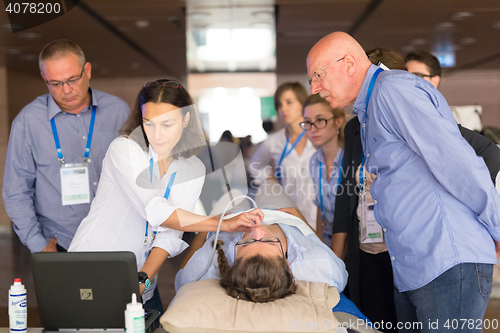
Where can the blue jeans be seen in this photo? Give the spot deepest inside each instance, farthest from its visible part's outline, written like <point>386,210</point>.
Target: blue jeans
<point>455,301</point>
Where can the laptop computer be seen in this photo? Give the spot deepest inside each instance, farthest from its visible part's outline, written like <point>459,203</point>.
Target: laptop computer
<point>85,290</point>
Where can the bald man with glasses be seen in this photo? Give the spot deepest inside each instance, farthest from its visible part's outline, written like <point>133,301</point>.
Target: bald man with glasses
<point>56,147</point>
<point>433,197</point>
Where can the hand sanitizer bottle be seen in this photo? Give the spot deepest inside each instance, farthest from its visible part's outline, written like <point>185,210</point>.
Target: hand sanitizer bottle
<point>134,317</point>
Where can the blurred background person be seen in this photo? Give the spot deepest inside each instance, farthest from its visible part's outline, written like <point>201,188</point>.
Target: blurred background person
<point>285,154</point>
<point>426,66</point>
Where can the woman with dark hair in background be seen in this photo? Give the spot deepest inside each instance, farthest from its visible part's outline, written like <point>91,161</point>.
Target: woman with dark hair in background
<point>150,182</point>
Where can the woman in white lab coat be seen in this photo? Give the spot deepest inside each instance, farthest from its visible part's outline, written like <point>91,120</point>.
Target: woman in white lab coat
<point>150,182</point>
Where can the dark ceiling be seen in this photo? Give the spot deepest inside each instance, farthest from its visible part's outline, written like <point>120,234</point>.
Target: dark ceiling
<point>107,31</point>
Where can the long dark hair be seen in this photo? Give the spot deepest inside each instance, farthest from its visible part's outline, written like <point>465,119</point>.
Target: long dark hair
<point>256,279</point>
<point>171,92</point>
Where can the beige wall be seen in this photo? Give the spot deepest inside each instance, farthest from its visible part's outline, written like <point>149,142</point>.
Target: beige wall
<point>22,88</point>
<point>475,87</point>
<point>4,138</point>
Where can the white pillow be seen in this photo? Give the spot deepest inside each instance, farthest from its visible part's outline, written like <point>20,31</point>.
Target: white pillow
<point>204,306</point>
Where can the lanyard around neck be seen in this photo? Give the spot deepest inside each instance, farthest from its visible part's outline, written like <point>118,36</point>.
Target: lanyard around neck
<point>167,191</point>
<point>285,153</point>
<point>170,181</point>
<point>363,127</point>
<point>60,156</point>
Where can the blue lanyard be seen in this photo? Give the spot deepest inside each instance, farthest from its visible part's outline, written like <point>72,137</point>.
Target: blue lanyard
<point>361,178</point>
<point>170,181</point>
<point>60,156</point>
<point>363,128</point>
<point>167,191</point>
<point>321,187</point>
<point>150,170</point>
<point>368,95</point>
<point>285,153</point>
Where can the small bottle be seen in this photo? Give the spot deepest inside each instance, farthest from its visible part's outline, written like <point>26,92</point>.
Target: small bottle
<point>134,317</point>
<point>18,311</point>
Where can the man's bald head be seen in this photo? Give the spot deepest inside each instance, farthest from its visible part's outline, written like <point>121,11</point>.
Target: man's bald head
<point>336,44</point>
<point>337,66</point>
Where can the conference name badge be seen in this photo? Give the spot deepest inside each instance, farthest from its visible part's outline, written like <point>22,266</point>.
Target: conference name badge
<point>371,231</point>
<point>75,184</point>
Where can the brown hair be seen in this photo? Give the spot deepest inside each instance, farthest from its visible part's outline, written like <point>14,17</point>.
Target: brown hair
<point>388,57</point>
<point>297,88</point>
<point>60,48</point>
<point>337,113</point>
<point>157,92</point>
<point>256,279</point>
<point>427,59</point>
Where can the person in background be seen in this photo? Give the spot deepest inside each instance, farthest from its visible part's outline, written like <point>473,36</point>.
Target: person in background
<point>285,154</point>
<point>268,126</point>
<point>426,65</point>
<point>150,183</point>
<point>56,147</point>
<point>430,200</point>
<point>324,127</point>
<point>227,136</point>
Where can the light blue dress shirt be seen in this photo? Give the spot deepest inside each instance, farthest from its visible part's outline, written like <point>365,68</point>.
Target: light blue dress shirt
<point>433,196</point>
<point>329,188</point>
<point>32,183</point>
<point>309,259</point>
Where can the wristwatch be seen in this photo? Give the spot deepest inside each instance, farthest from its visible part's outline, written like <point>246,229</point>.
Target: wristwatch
<point>143,278</point>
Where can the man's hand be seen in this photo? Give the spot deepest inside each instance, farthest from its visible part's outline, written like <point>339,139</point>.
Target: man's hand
<point>52,246</point>
<point>497,248</point>
<point>142,288</point>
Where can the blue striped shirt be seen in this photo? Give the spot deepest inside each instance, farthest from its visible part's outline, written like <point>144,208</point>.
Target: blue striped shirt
<point>433,196</point>
<point>32,184</point>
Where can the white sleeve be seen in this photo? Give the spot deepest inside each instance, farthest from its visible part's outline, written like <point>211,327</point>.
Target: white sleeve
<point>125,160</point>
<point>185,194</point>
<point>260,167</point>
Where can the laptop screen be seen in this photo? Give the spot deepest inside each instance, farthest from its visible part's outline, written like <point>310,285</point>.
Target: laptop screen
<point>84,290</point>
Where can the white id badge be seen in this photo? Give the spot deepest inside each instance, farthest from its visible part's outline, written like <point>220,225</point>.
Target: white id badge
<point>75,184</point>
<point>371,231</point>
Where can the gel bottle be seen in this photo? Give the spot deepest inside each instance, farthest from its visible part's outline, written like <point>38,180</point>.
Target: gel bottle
<point>18,311</point>
<point>134,317</point>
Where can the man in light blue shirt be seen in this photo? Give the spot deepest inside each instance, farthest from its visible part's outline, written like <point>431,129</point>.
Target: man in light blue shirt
<point>82,122</point>
<point>433,196</point>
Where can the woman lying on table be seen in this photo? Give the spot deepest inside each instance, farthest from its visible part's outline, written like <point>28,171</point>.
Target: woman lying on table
<point>262,264</point>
